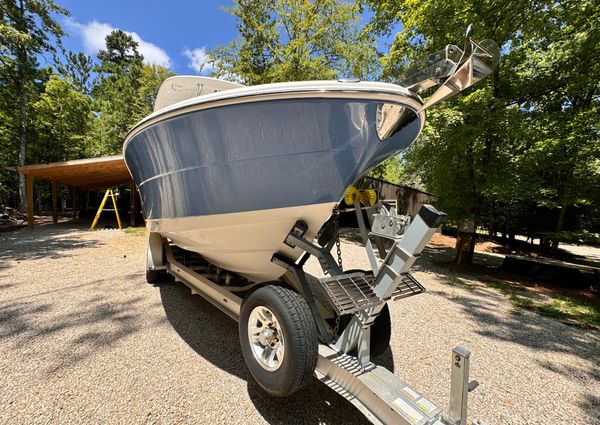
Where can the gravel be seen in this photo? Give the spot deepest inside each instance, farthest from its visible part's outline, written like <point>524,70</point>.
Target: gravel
<point>83,338</point>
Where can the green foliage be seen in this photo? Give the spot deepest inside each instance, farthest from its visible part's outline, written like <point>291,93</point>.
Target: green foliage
<point>123,93</point>
<point>27,30</point>
<point>389,170</point>
<point>520,150</point>
<point>77,69</point>
<point>63,116</point>
<point>121,53</point>
<point>294,40</point>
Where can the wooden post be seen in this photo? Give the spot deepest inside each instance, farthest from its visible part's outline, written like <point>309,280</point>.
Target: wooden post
<point>133,210</point>
<point>30,201</point>
<point>74,200</point>
<point>54,203</point>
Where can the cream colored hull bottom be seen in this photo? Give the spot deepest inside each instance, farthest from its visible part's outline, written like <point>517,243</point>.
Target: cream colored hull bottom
<point>244,242</point>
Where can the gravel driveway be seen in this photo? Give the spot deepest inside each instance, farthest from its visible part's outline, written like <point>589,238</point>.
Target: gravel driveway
<point>83,339</point>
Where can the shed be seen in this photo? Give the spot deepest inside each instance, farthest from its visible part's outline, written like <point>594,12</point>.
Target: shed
<point>80,174</point>
<point>408,199</point>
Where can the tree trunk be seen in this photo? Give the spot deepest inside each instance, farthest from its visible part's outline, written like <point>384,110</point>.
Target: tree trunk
<point>22,140</point>
<point>559,226</point>
<point>21,94</point>
<point>492,221</point>
<point>465,242</point>
<point>564,202</point>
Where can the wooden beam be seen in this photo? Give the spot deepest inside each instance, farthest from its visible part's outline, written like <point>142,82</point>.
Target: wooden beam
<point>30,202</point>
<point>91,172</point>
<point>54,202</point>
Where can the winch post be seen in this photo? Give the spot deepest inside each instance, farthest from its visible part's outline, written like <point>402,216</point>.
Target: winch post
<point>365,237</point>
<point>399,260</point>
<point>404,253</point>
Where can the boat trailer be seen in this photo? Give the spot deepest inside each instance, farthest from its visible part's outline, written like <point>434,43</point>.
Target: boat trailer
<point>344,361</point>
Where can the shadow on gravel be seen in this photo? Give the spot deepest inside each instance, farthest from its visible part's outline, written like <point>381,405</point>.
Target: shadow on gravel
<point>65,334</point>
<point>487,307</point>
<point>45,241</point>
<point>214,336</point>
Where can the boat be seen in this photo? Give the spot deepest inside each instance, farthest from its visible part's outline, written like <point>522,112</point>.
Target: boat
<point>226,170</point>
<point>235,183</point>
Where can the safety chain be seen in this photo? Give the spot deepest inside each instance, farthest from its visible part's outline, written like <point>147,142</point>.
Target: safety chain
<point>336,226</point>
<point>336,328</point>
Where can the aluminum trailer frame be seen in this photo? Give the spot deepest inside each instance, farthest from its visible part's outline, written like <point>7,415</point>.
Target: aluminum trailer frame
<point>379,394</point>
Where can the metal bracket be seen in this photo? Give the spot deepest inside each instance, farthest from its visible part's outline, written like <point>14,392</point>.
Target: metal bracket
<point>459,386</point>
<point>323,254</point>
<point>299,274</point>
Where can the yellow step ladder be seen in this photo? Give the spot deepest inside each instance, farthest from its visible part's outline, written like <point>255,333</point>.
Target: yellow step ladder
<point>109,192</point>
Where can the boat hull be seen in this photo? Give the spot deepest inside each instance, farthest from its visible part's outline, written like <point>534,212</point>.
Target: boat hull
<point>229,181</point>
<point>243,242</point>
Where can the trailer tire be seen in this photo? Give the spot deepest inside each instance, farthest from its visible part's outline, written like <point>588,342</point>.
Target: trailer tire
<point>381,332</point>
<point>277,319</point>
<point>153,276</point>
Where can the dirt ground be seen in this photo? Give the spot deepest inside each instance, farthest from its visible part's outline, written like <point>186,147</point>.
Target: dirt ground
<point>83,339</point>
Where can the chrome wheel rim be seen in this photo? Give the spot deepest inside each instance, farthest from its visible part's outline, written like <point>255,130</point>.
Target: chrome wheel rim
<point>266,338</point>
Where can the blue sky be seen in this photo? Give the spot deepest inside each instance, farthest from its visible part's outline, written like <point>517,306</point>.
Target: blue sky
<point>176,34</point>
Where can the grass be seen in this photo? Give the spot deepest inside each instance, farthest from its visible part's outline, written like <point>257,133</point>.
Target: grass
<point>560,308</point>
<point>135,231</point>
<point>456,281</point>
<point>556,306</point>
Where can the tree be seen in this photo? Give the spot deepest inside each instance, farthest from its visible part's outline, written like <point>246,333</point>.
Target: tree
<point>63,116</point>
<point>120,54</point>
<point>564,81</point>
<point>478,151</point>
<point>8,149</point>
<point>390,170</point>
<point>77,69</point>
<point>27,28</point>
<point>293,40</point>
<point>123,93</point>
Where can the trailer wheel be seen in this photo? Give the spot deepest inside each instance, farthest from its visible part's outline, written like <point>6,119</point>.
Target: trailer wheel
<point>153,276</point>
<point>278,337</point>
<point>154,257</point>
<point>381,332</point>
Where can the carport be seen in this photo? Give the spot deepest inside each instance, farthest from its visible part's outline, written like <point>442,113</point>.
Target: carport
<point>79,175</point>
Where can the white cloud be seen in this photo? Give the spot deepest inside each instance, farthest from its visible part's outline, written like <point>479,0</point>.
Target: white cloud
<point>93,35</point>
<point>199,60</point>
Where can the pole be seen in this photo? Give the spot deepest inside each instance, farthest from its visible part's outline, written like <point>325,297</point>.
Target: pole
<point>74,200</point>
<point>54,203</point>
<point>29,191</point>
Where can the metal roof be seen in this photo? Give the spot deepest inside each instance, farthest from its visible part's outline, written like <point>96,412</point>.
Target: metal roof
<point>90,173</point>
